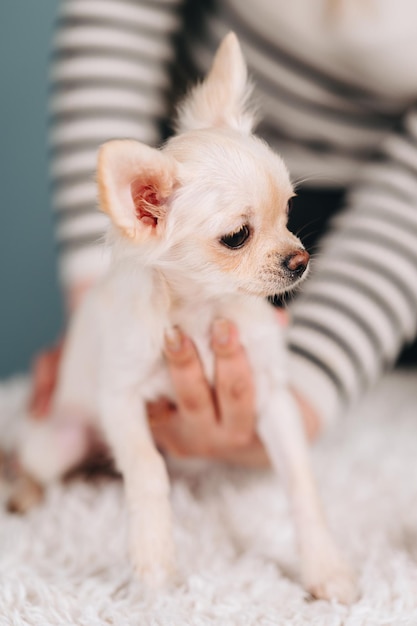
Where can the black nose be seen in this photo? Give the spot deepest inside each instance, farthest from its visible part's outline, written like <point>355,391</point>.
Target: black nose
<point>297,262</point>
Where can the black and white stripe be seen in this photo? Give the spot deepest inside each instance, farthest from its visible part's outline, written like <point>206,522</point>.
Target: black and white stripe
<point>109,79</point>
<point>364,291</point>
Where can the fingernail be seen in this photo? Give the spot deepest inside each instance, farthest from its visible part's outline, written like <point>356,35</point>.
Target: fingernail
<point>173,339</point>
<point>221,331</point>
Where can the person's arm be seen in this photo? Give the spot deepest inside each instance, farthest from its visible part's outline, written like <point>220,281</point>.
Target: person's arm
<point>359,307</point>
<point>109,78</point>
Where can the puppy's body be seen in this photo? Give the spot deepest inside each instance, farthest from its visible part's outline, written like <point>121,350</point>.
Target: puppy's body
<point>138,352</point>
<point>199,233</point>
<point>145,312</point>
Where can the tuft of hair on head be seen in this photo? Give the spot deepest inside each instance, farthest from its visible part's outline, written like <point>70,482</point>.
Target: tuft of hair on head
<point>222,98</point>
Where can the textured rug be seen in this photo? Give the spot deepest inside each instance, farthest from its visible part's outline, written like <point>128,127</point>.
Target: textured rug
<point>65,562</point>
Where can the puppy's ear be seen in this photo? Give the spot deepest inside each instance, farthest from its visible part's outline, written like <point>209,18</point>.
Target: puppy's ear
<point>221,99</point>
<point>135,183</point>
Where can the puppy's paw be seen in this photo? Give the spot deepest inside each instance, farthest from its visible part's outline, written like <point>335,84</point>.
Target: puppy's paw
<point>25,493</point>
<point>152,551</point>
<point>327,576</point>
<point>19,491</point>
<point>153,561</point>
<point>336,584</point>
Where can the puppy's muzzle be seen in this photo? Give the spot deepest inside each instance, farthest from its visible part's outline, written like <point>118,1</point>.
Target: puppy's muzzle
<point>296,263</point>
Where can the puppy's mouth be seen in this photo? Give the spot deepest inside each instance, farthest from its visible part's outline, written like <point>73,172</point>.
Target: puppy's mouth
<point>272,289</point>
<point>276,282</point>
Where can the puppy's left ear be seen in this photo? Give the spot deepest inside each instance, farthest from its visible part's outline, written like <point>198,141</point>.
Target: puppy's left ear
<point>222,98</point>
<point>135,184</point>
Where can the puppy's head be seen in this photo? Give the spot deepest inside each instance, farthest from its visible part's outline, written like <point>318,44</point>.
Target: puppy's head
<point>212,205</point>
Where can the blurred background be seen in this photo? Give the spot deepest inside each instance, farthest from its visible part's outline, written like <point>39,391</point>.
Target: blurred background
<point>30,303</point>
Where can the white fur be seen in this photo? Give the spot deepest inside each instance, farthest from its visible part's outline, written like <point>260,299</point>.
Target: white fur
<point>169,268</point>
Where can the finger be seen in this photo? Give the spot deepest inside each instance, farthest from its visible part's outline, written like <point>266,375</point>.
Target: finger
<point>41,385</point>
<point>193,393</point>
<point>234,384</point>
<point>282,316</point>
<point>253,455</point>
<point>161,416</point>
<point>167,429</point>
<point>194,397</point>
<point>41,404</point>
<point>42,368</point>
<point>160,411</point>
<point>44,377</point>
<point>169,437</point>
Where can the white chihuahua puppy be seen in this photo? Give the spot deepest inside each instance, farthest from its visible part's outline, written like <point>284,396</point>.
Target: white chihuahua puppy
<point>198,233</point>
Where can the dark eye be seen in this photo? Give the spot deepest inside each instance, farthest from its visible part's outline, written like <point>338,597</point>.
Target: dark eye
<point>289,205</point>
<point>237,239</point>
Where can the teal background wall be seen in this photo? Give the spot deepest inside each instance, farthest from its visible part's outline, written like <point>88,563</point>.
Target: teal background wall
<point>30,303</point>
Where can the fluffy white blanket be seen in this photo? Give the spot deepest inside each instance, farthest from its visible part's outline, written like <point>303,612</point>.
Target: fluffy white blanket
<point>65,562</point>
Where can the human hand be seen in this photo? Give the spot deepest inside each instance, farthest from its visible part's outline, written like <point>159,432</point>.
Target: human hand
<point>220,422</point>
<point>217,423</point>
<point>44,377</point>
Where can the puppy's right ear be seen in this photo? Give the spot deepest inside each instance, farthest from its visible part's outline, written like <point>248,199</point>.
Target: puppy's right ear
<point>135,183</point>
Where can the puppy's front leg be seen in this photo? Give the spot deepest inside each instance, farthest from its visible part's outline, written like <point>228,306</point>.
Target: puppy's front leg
<point>324,571</point>
<point>146,485</point>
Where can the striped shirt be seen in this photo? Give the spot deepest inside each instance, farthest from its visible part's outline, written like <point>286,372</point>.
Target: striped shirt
<point>337,85</point>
